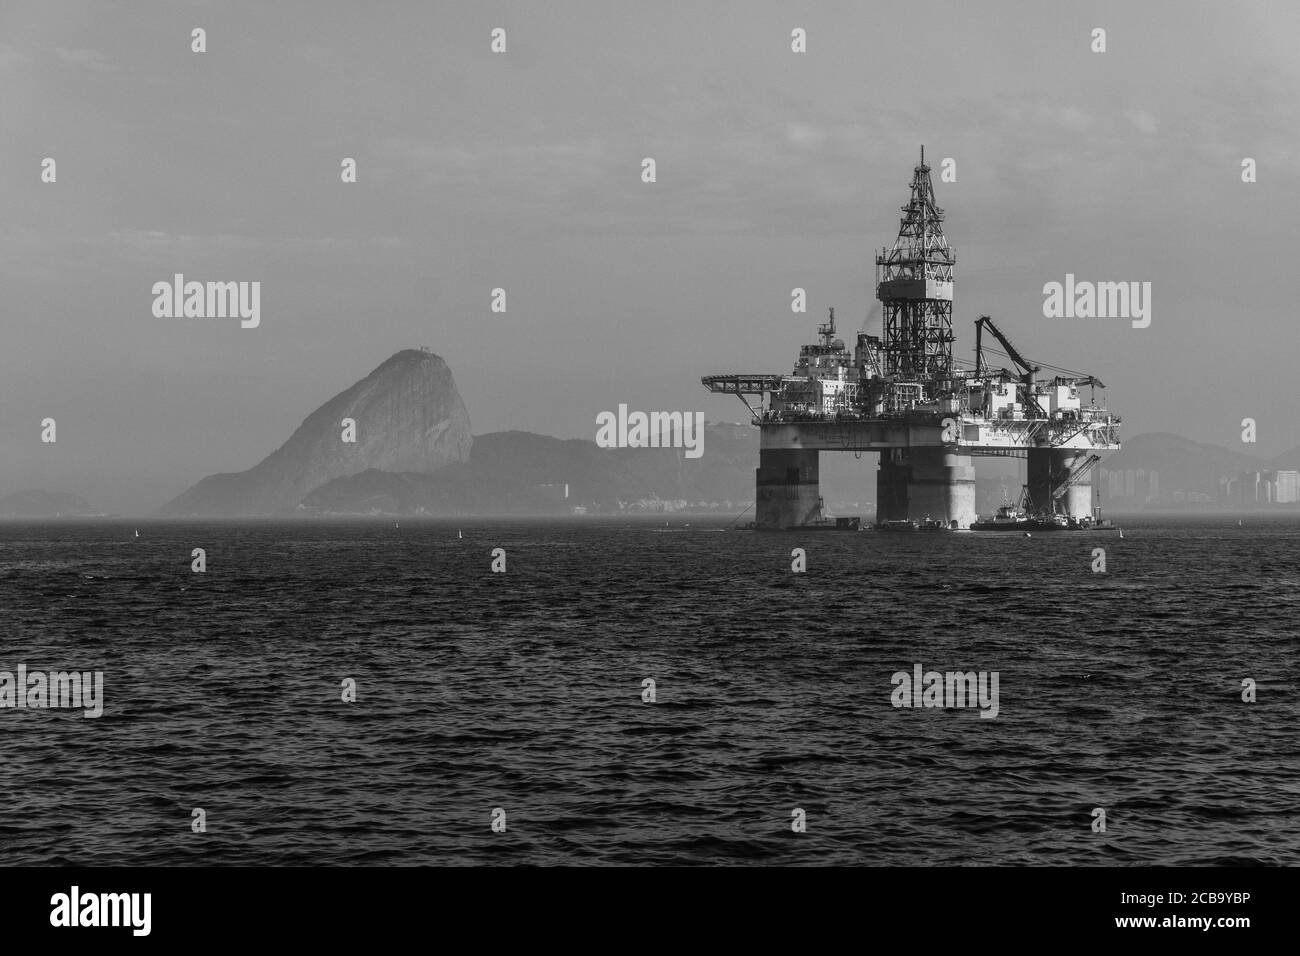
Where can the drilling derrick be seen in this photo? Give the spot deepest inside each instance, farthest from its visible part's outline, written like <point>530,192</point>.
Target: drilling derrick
<point>901,394</point>
<point>914,286</point>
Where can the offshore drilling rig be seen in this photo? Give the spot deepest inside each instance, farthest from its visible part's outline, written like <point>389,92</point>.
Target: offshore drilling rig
<point>901,394</point>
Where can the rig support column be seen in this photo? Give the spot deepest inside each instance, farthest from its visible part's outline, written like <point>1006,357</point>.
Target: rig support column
<point>915,483</point>
<point>1048,467</point>
<point>891,485</point>
<point>787,492</point>
<point>942,486</point>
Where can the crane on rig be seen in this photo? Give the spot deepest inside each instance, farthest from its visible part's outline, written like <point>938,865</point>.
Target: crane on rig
<point>1027,371</point>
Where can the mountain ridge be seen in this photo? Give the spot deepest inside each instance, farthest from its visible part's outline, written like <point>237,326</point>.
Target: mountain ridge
<point>408,416</point>
<point>414,453</point>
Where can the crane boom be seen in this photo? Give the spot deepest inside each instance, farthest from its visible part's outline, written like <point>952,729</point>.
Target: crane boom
<point>1012,353</point>
<point>1027,371</point>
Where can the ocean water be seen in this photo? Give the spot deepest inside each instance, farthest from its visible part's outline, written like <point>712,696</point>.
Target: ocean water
<point>523,691</point>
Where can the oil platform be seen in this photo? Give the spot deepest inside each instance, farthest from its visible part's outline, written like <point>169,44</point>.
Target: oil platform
<point>901,394</point>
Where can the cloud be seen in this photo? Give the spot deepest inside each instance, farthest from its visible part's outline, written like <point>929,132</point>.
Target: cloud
<point>1142,120</point>
<point>10,57</point>
<point>1073,118</point>
<point>151,240</point>
<point>85,59</point>
<point>803,135</point>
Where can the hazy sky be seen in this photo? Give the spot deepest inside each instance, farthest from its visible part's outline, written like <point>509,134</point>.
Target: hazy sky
<point>522,171</point>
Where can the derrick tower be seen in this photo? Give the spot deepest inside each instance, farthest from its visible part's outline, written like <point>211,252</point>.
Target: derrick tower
<point>914,286</point>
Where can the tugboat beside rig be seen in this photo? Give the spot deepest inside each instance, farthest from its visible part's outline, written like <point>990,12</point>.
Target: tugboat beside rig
<point>1012,518</point>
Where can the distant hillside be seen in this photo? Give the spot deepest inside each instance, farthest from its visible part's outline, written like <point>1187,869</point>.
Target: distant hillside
<point>1186,472</point>
<point>413,454</point>
<point>1287,461</point>
<point>518,472</point>
<point>37,503</point>
<point>408,415</point>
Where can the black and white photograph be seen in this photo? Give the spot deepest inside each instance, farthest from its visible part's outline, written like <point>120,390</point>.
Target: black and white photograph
<point>445,440</point>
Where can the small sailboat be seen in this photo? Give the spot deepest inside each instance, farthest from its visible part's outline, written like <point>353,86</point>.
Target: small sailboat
<point>137,532</point>
<point>459,536</point>
<point>1121,534</point>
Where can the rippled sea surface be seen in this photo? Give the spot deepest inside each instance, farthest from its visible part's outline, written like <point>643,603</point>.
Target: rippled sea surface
<point>523,691</point>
